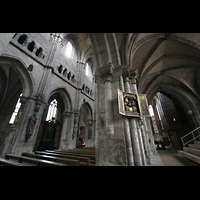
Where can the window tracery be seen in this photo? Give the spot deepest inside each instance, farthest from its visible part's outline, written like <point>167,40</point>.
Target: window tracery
<point>52,111</point>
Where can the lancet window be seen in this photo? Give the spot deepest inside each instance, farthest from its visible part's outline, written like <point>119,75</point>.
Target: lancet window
<point>52,112</point>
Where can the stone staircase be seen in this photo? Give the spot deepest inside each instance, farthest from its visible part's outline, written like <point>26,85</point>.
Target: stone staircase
<point>192,152</point>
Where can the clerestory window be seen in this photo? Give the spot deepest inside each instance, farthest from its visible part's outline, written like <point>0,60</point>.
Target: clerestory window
<point>69,49</point>
<point>52,111</point>
<point>88,70</point>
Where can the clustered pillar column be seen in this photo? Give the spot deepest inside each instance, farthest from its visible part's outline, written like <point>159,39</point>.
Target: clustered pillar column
<point>107,74</point>
<point>129,149</point>
<point>139,121</point>
<point>133,126</point>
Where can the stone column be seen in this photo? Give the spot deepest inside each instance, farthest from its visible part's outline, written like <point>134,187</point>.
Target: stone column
<point>107,74</point>
<point>89,133</point>
<point>69,139</point>
<point>141,145</point>
<point>135,142</point>
<point>146,132</point>
<point>144,140</point>
<point>141,132</point>
<point>75,126</point>
<point>63,136</point>
<point>10,140</point>
<point>133,125</point>
<point>18,142</point>
<point>129,149</point>
<point>150,136</point>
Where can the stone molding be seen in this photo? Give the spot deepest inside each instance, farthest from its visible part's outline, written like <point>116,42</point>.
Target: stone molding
<point>106,72</point>
<point>133,75</point>
<point>126,71</point>
<point>66,114</point>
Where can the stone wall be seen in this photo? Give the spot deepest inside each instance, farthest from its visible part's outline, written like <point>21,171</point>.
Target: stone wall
<point>39,74</point>
<point>44,72</point>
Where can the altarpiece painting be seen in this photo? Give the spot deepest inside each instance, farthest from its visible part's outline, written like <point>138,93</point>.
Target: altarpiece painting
<point>134,105</point>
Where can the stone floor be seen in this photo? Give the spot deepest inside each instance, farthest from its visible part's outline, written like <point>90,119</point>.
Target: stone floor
<point>155,160</point>
<point>170,157</point>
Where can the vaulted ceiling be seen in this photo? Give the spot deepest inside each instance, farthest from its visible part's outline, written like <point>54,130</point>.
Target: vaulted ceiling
<point>84,47</point>
<point>162,59</point>
<point>167,59</point>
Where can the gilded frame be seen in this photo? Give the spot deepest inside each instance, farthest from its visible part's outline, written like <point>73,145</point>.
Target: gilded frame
<point>121,102</point>
<point>143,105</point>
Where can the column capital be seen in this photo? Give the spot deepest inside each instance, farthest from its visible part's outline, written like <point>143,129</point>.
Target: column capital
<point>23,100</point>
<point>125,71</point>
<point>40,98</point>
<point>76,115</point>
<point>66,114</point>
<point>134,75</point>
<point>106,72</point>
<point>80,64</point>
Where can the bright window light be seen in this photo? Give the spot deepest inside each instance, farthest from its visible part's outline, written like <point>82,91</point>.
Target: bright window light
<point>69,49</point>
<point>88,70</point>
<point>53,107</point>
<point>17,107</point>
<point>151,110</point>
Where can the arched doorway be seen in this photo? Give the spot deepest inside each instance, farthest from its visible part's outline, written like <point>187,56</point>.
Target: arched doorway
<point>51,125</point>
<point>84,133</point>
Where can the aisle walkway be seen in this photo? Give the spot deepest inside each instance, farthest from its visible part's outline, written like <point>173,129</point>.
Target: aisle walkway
<point>170,157</point>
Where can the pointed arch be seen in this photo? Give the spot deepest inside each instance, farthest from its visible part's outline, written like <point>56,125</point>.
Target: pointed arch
<point>190,102</point>
<point>88,108</point>
<point>65,97</point>
<point>18,80</point>
<point>20,68</point>
<point>69,37</point>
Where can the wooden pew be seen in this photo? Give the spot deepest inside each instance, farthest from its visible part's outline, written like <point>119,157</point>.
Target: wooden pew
<point>81,150</point>
<point>83,160</point>
<point>4,162</point>
<point>70,151</point>
<point>75,151</point>
<point>37,162</point>
<point>68,162</point>
<point>92,157</point>
<point>90,151</point>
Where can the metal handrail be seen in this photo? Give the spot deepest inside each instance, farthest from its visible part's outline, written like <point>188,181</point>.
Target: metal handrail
<point>194,138</point>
